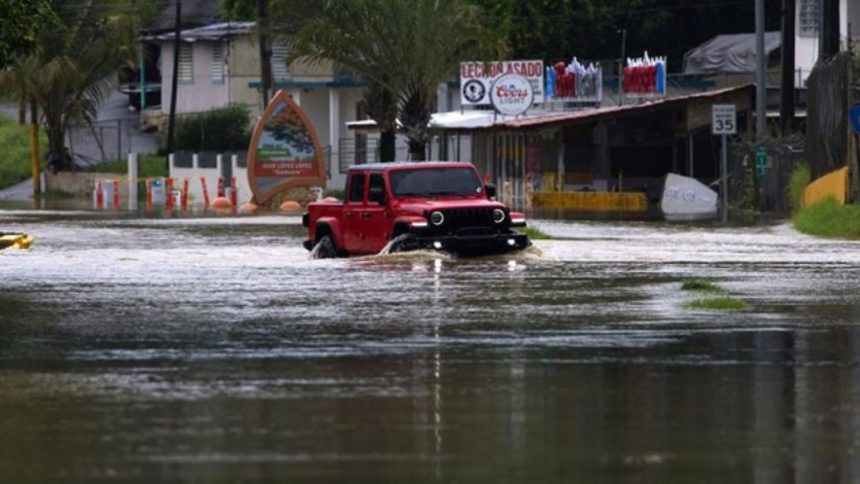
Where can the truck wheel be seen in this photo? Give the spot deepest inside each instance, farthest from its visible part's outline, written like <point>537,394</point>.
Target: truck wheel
<point>324,249</point>
<point>402,243</point>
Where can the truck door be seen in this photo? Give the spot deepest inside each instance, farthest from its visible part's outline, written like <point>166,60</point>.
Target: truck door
<point>374,220</point>
<point>352,213</point>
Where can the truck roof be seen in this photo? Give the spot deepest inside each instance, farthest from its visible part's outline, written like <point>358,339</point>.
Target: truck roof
<point>408,164</point>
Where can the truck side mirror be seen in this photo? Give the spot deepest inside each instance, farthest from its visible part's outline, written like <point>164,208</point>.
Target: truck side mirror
<point>490,189</point>
<point>377,194</point>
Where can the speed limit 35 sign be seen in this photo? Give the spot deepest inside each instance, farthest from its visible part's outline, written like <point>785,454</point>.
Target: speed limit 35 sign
<point>723,119</point>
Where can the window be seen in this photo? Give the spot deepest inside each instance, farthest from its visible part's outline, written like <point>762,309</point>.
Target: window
<point>377,183</point>
<point>808,17</point>
<point>186,63</point>
<point>279,62</point>
<point>356,187</point>
<point>442,181</point>
<point>217,66</point>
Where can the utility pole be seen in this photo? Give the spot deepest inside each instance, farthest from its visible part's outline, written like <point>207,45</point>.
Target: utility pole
<point>265,50</point>
<point>761,79</point>
<point>621,66</point>
<point>171,121</point>
<point>786,91</point>
<point>828,43</point>
<point>34,146</point>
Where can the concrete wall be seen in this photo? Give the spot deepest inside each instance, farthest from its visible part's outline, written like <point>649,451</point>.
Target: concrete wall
<point>80,184</point>
<point>193,174</point>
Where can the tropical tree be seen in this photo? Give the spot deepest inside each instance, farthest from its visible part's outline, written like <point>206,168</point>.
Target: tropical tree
<point>406,47</point>
<point>20,23</point>
<point>72,65</point>
<point>381,106</point>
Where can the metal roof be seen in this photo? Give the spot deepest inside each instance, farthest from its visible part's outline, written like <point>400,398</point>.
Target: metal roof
<point>591,114</point>
<point>216,31</point>
<point>474,120</point>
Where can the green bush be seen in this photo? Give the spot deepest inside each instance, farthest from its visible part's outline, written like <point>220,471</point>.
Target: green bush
<point>534,233</point>
<point>334,192</point>
<point>15,151</point>
<point>797,182</point>
<point>829,219</point>
<point>223,129</point>
<point>149,165</point>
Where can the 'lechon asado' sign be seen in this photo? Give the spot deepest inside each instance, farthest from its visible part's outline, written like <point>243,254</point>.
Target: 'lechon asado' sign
<point>476,79</point>
<point>285,151</point>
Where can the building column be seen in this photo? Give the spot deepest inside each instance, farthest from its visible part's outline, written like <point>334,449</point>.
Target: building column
<point>334,127</point>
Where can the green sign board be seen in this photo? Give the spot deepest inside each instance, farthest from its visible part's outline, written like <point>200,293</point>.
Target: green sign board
<point>760,161</point>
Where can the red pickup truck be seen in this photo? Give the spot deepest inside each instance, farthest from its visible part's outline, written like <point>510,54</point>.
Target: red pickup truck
<point>408,206</point>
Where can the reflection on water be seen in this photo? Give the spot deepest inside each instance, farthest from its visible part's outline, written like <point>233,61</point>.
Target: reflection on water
<point>217,351</point>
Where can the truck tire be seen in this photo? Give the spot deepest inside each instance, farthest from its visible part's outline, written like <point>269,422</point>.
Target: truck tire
<point>324,249</point>
<point>402,243</point>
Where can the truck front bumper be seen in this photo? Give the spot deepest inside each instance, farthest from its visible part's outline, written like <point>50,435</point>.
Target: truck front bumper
<point>475,244</point>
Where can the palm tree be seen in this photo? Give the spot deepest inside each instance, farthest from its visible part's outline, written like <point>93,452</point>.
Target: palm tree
<point>70,70</point>
<point>381,106</point>
<point>405,46</point>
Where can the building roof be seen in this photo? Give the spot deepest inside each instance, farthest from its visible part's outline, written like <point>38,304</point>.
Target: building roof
<point>483,119</point>
<point>595,114</point>
<point>198,12</point>
<point>734,53</point>
<point>211,32</point>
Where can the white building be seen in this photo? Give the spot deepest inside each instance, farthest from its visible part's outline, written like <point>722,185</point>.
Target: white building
<point>219,65</point>
<point>807,23</point>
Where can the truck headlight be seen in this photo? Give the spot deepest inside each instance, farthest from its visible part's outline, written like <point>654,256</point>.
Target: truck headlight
<point>437,218</point>
<point>498,215</point>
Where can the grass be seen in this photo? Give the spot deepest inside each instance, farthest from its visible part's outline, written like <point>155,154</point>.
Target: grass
<point>148,165</point>
<point>534,233</point>
<point>700,285</point>
<point>797,182</point>
<point>719,301</point>
<point>333,192</point>
<point>829,219</point>
<point>722,303</point>
<point>15,164</point>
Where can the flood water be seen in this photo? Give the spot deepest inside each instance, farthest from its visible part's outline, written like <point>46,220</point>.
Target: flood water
<point>215,350</point>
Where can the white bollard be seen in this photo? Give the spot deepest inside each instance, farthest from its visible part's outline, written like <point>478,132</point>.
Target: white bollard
<point>133,172</point>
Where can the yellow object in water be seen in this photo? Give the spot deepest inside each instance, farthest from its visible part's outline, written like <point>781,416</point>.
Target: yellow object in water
<point>15,241</point>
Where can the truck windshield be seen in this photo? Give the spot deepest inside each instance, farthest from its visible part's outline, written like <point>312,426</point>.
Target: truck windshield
<point>436,181</point>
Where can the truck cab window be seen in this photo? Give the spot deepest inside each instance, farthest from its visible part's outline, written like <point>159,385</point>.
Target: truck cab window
<point>376,191</point>
<point>356,187</point>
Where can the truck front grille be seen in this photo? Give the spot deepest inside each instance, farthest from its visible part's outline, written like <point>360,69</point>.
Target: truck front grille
<point>471,218</point>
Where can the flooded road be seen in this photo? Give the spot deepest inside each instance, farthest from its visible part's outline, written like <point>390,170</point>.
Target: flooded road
<point>214,350</point>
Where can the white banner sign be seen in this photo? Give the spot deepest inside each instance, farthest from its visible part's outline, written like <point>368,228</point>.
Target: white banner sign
<point>476,79</point>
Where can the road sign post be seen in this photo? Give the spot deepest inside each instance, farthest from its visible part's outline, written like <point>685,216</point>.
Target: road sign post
<point>724,123</point>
